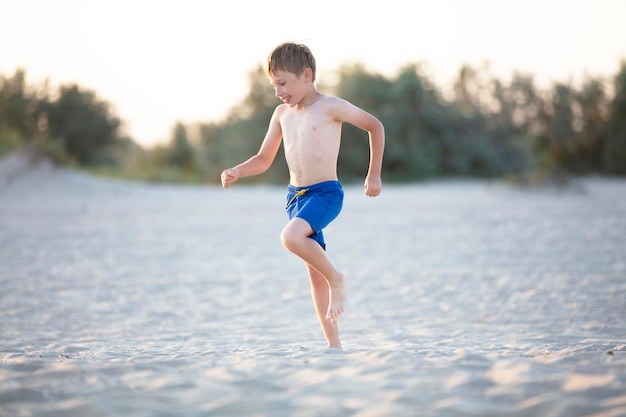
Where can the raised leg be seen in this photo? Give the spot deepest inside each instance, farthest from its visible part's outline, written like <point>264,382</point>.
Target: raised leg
<point>295,238</point>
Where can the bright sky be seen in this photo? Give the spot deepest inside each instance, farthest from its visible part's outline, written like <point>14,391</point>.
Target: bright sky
<point>162,61</point>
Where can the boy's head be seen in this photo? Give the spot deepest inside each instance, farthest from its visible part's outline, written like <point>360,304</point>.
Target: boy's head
<point>290,57</point>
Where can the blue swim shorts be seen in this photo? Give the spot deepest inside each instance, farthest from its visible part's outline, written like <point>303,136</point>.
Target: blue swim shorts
<point>318,204</point>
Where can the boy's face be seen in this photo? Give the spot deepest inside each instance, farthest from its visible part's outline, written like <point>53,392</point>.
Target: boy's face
<point>289,87</point>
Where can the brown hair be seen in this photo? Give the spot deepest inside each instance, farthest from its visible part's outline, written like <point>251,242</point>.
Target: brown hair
<point>291,57</point>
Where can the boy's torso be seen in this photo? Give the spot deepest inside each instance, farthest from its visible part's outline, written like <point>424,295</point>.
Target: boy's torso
<point>311,140</point>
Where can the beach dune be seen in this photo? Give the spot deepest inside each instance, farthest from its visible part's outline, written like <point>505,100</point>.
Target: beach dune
<point>468,298</point>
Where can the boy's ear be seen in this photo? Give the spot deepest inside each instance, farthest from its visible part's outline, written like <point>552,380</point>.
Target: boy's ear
<point>308,74</point>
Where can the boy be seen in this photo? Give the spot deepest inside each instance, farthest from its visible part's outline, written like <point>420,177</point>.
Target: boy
<point>309,124</point>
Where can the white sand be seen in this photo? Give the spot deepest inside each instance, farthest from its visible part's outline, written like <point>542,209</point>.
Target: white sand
<point>467,299</point>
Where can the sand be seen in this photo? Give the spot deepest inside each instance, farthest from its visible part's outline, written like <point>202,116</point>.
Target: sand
<point>468,298</point>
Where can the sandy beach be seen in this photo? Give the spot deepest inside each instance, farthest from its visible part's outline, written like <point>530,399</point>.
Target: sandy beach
<point>467,298</point>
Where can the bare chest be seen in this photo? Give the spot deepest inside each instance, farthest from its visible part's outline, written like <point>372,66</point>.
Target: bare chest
<point>310,132</point>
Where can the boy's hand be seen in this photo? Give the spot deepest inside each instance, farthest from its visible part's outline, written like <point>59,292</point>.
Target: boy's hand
<point>229,176</point>
<point>373,186</point>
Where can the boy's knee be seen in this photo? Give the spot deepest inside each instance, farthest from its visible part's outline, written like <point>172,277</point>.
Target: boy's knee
<point>287,238</point>
<point>291,236</point>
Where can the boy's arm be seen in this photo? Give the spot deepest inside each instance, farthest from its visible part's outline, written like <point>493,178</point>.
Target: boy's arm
<point>260,162</point>
<point>347,112</point>
<point>373,182</point>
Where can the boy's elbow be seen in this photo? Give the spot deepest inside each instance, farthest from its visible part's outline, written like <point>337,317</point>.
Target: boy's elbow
<point>378,130</point>
<point>264,163</point>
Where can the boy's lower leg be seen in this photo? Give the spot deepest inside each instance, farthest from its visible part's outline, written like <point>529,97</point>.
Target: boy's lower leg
<point>321,298</point>
<point>295,238</point>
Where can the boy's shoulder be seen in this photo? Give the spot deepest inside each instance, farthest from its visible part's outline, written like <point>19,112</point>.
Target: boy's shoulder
<point>327,104</point>
<point>330,99</point>
<point>325,99</point>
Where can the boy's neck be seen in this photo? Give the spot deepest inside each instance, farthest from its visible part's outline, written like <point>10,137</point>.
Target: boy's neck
<point>310,99</point>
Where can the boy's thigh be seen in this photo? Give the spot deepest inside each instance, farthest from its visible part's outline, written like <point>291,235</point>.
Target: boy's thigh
<point>320,210</point>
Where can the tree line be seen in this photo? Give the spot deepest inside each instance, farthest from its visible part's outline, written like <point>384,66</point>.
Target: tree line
<point>480,127</point>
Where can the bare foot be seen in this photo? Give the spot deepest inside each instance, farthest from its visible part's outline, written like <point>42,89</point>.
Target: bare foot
<point>338,297</point>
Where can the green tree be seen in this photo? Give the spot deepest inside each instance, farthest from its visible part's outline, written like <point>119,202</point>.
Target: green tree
<point>82,124</point>
<point>181,153</point>
<point>614,152</point>
<point>22,117</point>
<point>561,137</point>
<point>592,121</point>
<point>515,119</point>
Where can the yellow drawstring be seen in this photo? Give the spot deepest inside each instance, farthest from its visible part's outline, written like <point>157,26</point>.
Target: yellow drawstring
<point>296,195</point>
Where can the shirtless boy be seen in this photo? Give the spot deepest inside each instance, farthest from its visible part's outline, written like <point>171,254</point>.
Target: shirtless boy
<point>309,125</point>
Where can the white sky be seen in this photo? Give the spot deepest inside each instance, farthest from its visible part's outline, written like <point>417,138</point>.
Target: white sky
<point>160,61</point>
